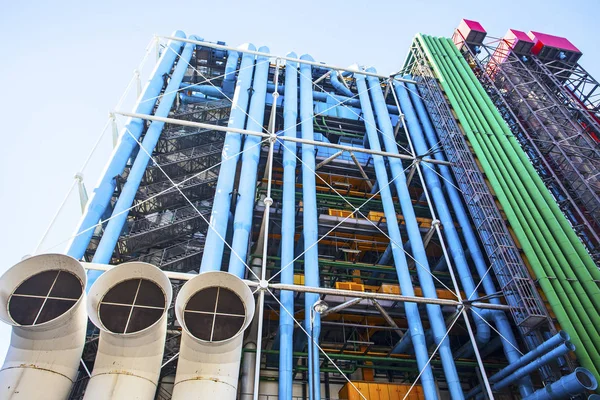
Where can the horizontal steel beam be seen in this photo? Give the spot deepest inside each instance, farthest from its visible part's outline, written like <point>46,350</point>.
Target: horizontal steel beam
<point>202,125</point>
<point>327,291</point>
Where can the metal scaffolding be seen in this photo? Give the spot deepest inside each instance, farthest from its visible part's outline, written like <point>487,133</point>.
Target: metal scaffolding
<point>539,103</point>
<point>169,221</point>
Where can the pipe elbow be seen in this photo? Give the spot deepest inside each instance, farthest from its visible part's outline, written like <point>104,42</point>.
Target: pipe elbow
<point>371,70</point>
<point>307,57</point>
<point>179,34</point>
<point>354,68</point>
<point>337,85</point>
<point>483,329</point>
<point>247,46</point>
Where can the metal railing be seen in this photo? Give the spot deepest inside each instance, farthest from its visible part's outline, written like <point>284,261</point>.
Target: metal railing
<point>174,253</point>
<point>527,308</point>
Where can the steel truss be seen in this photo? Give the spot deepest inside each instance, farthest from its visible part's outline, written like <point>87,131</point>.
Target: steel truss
<point>517,286</point>
<point>166,230</point>
<point>552,128</point>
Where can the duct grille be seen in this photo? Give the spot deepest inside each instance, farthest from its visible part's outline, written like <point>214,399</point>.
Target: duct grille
<point>214,314</point>
<point>131,306</point>
<point>44,297</point>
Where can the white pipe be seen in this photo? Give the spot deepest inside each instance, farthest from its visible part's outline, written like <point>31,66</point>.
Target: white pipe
<point>128,364</point>
<point>42,361</point>
<point>333,292</point>
<point>209,369</point>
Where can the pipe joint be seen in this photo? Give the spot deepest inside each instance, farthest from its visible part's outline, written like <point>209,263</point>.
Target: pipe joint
<point>263,284</point>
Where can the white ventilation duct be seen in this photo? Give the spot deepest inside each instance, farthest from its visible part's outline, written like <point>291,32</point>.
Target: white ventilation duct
<point>128,303</point>
<point>213,310</point>
<point>41,297</point>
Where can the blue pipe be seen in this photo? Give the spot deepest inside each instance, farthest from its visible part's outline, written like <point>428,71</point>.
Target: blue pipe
<point>412,312</point>
<point>500,319</point>
<point>527,358</point>
<point>386,256</point>
<point>436,318</point>
<point>187,99</point>
<point>437,195</point>
<point>562,350</point>
<point>207,90</point>
<point>230,68</point>
<point>455,199</point>
<point>244,209</point>
<point>310,225</point>
<point>337,85</point>
<point>211,91</point>
<point>404,344</point>
<point>288,230</point>
<point>114,227</point>
<point>570,385</point>
<point>105,188</point>
<point>441,265</point>
<point>375,188</point>
<point>211,260</point>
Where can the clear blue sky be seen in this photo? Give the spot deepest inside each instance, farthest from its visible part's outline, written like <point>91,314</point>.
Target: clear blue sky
<point>65,64</point>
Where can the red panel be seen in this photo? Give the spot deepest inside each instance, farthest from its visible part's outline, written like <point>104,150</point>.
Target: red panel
<point>557,42</point>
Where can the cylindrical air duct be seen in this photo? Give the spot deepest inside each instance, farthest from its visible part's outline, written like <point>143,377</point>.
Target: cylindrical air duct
<point>213,310</point>
<point>128,303</point>
<point>41,297</point>
<point>570,385</point>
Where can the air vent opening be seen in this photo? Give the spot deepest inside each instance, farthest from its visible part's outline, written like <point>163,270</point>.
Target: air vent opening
<point>131,306</point>
<point>214,314</point>
<point>44,297</point>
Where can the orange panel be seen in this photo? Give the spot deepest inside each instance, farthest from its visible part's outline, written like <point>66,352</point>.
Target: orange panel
<point>380,391</point>
<point>372,392</point>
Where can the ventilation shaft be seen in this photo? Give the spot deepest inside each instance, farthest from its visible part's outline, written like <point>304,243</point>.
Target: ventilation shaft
<point>41,297</point>
<point>213,310</point>
<point>128,304</point>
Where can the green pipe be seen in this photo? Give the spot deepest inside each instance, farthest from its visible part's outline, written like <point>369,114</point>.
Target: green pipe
<point>483,140</point>
<point>573,243</point>
<point>519,208</point>
<point>299,368</point>
<point>552,289</point>
<point>373,268</point>
<point>542,234</point>
<point>584,267</point>
<point>512,176</point>
<point>374,359</point>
